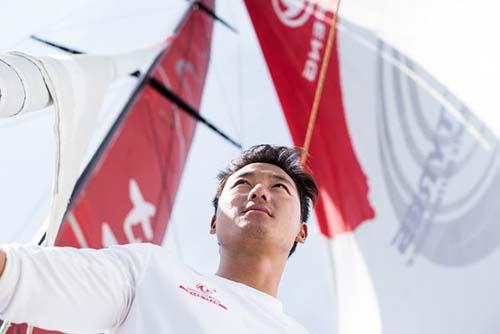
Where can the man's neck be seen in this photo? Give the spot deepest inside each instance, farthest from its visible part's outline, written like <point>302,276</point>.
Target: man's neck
<point>259,272</point>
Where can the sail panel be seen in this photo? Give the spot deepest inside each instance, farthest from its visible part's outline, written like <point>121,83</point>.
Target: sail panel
<point>293,40</point>
<point>434,183</point>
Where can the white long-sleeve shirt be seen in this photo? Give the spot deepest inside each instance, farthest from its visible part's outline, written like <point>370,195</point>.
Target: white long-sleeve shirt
<point>136,288</point>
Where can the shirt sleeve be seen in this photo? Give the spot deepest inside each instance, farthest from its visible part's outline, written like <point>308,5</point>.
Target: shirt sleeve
<point>69,289</point>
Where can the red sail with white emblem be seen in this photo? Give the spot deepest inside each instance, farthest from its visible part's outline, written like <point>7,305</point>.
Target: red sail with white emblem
<point>293,39</point>
<point>127,192</point>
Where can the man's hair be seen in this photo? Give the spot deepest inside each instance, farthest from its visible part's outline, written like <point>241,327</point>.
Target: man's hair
<point>286,158</point>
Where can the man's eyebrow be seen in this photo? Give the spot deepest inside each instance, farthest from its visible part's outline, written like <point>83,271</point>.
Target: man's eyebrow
<point>274,176</point>
<point>246,174</point>
<point>281,178</point>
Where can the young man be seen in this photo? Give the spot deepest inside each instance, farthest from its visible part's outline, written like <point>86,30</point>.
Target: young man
<point>261,206</point>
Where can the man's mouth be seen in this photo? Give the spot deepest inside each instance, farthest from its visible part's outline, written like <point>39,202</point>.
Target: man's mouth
<point>257,207</point>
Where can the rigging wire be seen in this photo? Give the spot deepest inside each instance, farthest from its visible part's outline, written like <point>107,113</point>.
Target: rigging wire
<point>211,13</point>
<point>61,25</point>
<point>319,88</point>
<point>312,122</point>
<point>159,87</point>
<point>57,46</point>
<point>225,97</point>
<point>239,78</point>
<point>214,67</point>
<point>50,25</point>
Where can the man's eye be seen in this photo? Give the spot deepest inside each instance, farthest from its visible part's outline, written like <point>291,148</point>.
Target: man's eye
<point>240,182</point>
<point>281,185</point>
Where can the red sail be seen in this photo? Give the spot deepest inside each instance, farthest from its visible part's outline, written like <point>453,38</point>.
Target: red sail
<point>130,188</point>
<point>293,38</point>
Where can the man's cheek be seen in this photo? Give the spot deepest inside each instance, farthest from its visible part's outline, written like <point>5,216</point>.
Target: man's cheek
<point>237,203</point>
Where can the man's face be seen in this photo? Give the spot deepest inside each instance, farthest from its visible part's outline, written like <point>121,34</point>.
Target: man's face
<point>259,211</point>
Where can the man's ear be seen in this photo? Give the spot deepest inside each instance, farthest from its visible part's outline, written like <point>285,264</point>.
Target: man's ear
<point>302,235</point>
<point>212,225</point>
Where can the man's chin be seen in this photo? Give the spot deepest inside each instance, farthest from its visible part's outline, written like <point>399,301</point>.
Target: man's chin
<point>255,228</point>
<point>252,222</point>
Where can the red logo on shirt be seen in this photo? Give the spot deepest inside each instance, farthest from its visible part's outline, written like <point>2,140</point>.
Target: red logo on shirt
<point>203,288</point>
<point>203,292</point>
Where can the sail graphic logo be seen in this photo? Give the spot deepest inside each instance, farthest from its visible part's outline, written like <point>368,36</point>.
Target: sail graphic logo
<point>293,13</point>
<point>140,214</point>
<point>441,167</point>
<point>316,46</point>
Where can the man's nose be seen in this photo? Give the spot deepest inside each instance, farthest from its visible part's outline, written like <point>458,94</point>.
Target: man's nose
<point>259,192</point>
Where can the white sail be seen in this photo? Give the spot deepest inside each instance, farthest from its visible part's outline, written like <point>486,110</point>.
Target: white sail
<point>426,132</point>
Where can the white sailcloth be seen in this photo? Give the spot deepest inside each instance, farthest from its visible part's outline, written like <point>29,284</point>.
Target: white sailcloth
<point>76,86</point>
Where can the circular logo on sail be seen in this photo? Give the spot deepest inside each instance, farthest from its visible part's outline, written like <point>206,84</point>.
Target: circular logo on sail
<point>293,13</point>
<point>441,167</point>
